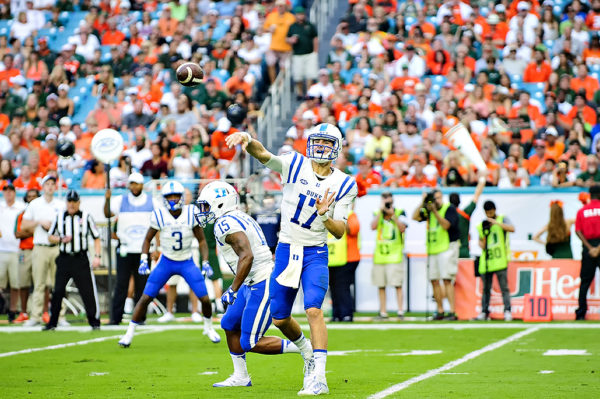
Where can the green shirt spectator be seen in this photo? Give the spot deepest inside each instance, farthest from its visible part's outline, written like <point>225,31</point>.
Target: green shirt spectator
<point>591,177</point>
<point>305,32</point>
<point>178,10</point>
<point>464,218</point>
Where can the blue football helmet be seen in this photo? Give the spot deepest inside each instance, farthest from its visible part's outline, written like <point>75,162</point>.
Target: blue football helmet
<point>172,188</point>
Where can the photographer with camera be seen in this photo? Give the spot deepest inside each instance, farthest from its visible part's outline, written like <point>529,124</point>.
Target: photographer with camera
<point>442,248</point>
<point>388,259</point>
<point>493,240</point>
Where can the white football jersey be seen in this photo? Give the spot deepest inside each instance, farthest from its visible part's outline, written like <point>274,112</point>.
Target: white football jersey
<point>300,223</point>
<point>176,234</point>
<point>233,222</point>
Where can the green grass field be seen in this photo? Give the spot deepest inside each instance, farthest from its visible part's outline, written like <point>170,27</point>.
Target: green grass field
<point>365,359</point>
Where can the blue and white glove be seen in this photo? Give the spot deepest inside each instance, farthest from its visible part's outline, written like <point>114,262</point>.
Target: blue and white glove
<point>229,297</point>
<point>206,269</point>
<point>144,268</point>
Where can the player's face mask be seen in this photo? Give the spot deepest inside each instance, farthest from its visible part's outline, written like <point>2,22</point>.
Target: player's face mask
<point>322,148</point>
<point>204,215</point>
<point>173,202</point>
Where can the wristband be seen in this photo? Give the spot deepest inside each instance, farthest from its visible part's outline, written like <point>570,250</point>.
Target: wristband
<point>144,257</point>
<point>324,217</point>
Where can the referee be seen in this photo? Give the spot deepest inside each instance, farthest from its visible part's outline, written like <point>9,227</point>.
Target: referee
<point>71,230</point>
<point>587,227</point>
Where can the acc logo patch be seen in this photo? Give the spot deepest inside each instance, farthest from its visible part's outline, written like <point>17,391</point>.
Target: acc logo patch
<point>303,182</point>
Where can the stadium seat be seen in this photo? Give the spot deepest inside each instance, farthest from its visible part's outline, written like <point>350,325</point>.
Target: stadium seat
<point>5,25</point>
<point>410,21</point>
<point>516,78</point>
<point>357,153</point>
<point>221,74</point>
<point>106,56</point>
<point>439,79</point>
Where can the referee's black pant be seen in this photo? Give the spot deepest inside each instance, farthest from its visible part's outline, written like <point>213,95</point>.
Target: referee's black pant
<point>341,278</point>
<point>78,268</point>
<point>588,270</point>
<point>127,266</point>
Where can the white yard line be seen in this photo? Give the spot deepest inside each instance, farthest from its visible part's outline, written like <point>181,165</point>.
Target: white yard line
<point>448,366</point>
<point>67,345</point>
<point>349,326</point>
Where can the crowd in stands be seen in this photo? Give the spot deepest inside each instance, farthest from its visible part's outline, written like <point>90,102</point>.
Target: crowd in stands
<point>522,76</point>
<point>71,68</point>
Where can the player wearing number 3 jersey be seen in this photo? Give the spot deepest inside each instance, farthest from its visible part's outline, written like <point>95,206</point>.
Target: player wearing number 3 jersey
<point>177,227</point>
<point>315,201</point>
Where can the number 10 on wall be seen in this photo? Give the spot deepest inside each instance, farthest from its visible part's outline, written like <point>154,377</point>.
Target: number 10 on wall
<point>537,308</point>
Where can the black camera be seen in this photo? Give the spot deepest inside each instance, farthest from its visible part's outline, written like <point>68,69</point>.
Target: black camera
<point>389,205</point>
<point>486,225</point>
<point>429,198</point>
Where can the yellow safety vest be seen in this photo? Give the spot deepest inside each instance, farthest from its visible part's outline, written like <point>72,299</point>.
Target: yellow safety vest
<point>438,239</point>
<point>497,254</point>
<point>338,249</point>
<point>389,241</point>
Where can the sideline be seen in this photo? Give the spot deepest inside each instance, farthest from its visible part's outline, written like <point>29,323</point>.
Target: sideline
<point>448,366</point>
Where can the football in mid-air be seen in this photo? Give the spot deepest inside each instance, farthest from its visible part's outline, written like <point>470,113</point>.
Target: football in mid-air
<point>190,74</point>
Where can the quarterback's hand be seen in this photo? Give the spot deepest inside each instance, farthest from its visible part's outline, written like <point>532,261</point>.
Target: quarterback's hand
<point>323,205</point>
<point>229,297</point>
<point>242,138</point>
<point>144,269</point>
<point>206,269</point>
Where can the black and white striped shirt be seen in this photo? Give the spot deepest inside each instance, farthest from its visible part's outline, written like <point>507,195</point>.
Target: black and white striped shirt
<point>79,226</point>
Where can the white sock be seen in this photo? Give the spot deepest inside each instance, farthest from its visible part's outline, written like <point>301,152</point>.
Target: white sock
<point>239,364</point>
<point>320,361</point>
<point>304,346</point>
<point>288,346</point>
<point>207,323</point>
<point>131,328</point>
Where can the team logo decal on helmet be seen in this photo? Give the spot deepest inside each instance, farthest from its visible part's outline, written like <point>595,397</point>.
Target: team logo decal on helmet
<point>324,152</point>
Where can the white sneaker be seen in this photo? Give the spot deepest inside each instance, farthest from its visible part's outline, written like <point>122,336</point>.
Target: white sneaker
<point>167,317</point>
<point>129,305</point>
<point>212,335</point>
<point>234,381</point>
<point>507,315</point>
<point>63,323</point>
<point>125,341</point>
<point>317,385</point>
<point>309,368</point>
<point>482,316</point>
<point>196,317</point>
<point>31,323</point>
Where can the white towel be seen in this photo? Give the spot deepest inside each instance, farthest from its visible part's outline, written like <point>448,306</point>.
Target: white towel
<point>290,277</point>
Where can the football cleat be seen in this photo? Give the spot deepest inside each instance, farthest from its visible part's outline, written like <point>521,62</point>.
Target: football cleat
<point>482,316</point>
<point>214,336</point>
<point>63,323</point>
<point>167,317</point>
<point>22,317</point>
<point>508,315</point>
<point>125,341</point>
<point>196,317</point>
<point>46,318</point>
<point>234,381</point>
<point>309,368</point>
<point>31,323</point>
<point>317,385</point>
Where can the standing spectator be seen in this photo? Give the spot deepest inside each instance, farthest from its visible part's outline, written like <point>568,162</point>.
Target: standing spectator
<point>587,227</point>
<point>464,217</point>
<point>139,153</point>
<point>278,23</point>
<point>120,173</point>
<point>25,247</point>
<point>183,165</point>
<point>495,254</point>
<point>39,215</point>
<point>344,256</point>
<point>134,209</point>
<point>558,229</point>
<point>137,117</point>
<point>442,247</point>
<point>156,167</point>
<point>302,35</point>
<point>221,151</point>
<point>9,248</point>
<point>366,177</point>
<point>388,259</point>
<point>71,230</point>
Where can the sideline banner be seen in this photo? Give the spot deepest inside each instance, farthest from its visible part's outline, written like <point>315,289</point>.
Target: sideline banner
<point>558,279</point>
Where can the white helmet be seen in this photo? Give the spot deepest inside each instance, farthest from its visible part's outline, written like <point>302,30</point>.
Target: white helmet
<point>323,153</point>
<point>172,188</point>
<point>216,199</point>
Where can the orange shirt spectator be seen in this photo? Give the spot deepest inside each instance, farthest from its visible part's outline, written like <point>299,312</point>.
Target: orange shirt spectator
<point>112,38</point>
<point>278,23</point>
<point>167,25</point>
<point>416,181</point>
<point>4,122</point>
<point>85,143</point>
<point>554,148</point>
<point>47,159</point>
<point>535,160</point>
<point>587,83</point>
<point>400,83</point>
<point>349,109</point>
<point>535,72</point>
<point>366,177</point>
<point>592,20</point>
<point>93,180</point>
<point>29,184</point>
<point>220,149</point>
<point>588,113</point>
<point>393,161</point>
<point>236,83</point>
